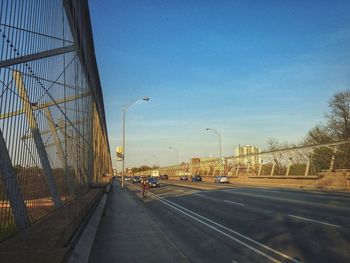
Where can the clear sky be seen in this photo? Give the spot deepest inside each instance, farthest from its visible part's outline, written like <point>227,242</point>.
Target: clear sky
<point>252,70</point>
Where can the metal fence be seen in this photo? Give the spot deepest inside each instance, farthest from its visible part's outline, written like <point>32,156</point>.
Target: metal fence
<point>53,135</point>
<point>301,160</point>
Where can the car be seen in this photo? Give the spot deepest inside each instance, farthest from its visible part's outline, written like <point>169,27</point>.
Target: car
<point>164,177</point>
<point>127,178</point>
<point>221,179</point>
<point>197,178</point>
<point>136,179</point>
<point>184,178</point>
<point>153,182</point>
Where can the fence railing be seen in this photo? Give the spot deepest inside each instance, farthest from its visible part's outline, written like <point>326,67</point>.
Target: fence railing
<point>300,160</point>
<point>53,134</point>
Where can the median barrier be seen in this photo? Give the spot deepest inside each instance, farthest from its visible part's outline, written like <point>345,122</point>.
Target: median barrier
<point>325,179</point>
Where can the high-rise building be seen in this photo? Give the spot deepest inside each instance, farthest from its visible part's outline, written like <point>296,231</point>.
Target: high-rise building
<point>245,150</point>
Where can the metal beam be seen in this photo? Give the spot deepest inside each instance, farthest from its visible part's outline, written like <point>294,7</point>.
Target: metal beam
<point>29,136</point>
<point>44,105</point>
<point>33,126</point>
<point>37,56</point>
<point>12,188</point>
<point>53,82</point>
<point>60,151</point>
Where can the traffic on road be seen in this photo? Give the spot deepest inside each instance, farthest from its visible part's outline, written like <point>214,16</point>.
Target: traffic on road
<point>230,223</point>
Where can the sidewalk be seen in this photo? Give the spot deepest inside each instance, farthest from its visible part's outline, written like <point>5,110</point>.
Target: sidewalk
<point>128,234</point>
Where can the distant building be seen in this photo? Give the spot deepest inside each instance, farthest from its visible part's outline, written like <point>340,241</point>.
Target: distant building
<point>245,150</point>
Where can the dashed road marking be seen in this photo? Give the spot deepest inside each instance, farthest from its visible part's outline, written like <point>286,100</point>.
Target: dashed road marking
<point>313,220</point>
<point>235,203</point>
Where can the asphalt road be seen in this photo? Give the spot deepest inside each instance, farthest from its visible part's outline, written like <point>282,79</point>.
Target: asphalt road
<point>215,223</point>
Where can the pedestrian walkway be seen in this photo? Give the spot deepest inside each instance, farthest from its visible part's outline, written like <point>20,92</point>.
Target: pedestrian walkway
<point>128,234</point>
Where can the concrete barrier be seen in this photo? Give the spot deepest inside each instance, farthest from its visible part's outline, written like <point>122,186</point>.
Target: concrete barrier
<point>326,179</point>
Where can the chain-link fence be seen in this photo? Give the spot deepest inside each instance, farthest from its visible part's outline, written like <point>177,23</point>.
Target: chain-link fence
<point>53,135</point>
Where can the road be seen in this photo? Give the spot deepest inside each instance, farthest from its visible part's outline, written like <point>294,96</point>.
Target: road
<point>216,223</point>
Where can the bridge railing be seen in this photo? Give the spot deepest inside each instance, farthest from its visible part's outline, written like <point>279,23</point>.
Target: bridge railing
<point>300,160</point>
<point>53,134</point>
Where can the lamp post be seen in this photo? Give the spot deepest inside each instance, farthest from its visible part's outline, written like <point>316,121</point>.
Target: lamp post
<point>156,160</point>
<point>209,129</point>
<point>177,154</point>
<point>125,107</point>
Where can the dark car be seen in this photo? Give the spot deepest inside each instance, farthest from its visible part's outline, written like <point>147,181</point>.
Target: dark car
<point>136,179</point>
<point>183,178</point>
<point>153,182</point>
<point>164,177</point>
<point>197,178</point>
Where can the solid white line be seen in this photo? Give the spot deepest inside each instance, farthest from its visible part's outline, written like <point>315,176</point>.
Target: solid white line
<point>235,203</point>
<point>164,201</point>
<point>172,204</point>
<point>312,220</point>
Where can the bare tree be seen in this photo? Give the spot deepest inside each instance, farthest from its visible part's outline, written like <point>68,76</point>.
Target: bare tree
<point>337,128</point>
<point>339,116</point>
<point>318,134</point>
<point>277,158</point>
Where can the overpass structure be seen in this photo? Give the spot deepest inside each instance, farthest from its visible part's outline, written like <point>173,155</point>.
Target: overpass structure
<point>53,133</point>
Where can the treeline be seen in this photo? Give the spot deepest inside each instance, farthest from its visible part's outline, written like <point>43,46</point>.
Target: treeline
<point>335,128</point>
<point>143,168</point>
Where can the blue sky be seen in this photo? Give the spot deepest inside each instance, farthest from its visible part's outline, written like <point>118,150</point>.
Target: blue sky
<point>250,69</point>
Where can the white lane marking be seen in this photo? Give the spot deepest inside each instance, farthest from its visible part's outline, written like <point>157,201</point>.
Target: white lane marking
<point>235,203</point>
<point>201,195</point>
<point>172,204</point>
<point>312,220</point>
<point>164,201</point>
<point>286,199</point>
<point>227,201</point>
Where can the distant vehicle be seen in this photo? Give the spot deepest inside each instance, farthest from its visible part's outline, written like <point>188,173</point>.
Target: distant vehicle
<point>164,177</point>
<point>221,179</point>
<point>184,178</point>
<point>136,179</point>
<point>153,182</point>
<point>197,178</point>
<point>127,178</point>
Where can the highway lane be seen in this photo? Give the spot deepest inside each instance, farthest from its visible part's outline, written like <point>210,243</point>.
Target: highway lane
<point>253,224</point>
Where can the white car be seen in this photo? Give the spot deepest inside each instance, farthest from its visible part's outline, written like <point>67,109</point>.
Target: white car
<point>221,179</point>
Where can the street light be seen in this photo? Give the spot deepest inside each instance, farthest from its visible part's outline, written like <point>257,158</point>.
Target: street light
<point>156,160</point>
<point>177,153</point>
<point>209,129</point>
<point>125,107</point>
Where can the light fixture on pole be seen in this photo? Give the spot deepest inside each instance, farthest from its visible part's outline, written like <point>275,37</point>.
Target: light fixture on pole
<point>156,163</point>
<point>125,107</point>
<point>210,129</point>
<point>177,154</point>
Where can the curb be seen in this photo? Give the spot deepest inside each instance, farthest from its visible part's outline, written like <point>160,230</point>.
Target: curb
<point>81,251</point>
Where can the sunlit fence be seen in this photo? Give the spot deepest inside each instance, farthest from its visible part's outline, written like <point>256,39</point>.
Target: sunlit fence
<point>296,161</point>
<point>53,135</point>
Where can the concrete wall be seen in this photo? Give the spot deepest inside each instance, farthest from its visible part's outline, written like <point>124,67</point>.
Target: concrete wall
<point>339,179</point>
